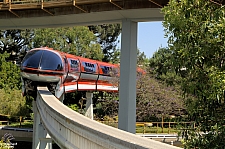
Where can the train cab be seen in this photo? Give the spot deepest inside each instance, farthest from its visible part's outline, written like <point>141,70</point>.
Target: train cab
<point>41,66</point>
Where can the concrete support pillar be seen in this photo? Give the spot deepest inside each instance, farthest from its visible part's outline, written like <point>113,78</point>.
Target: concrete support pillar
<point>62,97</point>
<point>41,139</point>
<point>89,105</point>
<point>36,123</point>
<point>127,91</point>
<point>60,92</point>
<point>45,139</point>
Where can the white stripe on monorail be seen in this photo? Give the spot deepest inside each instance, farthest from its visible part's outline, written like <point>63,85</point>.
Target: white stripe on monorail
<point>90,87</point>
<point>70,129</point>
<point>109,88</point>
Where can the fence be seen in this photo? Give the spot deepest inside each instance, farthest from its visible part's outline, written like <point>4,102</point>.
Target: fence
<point>157,127</point>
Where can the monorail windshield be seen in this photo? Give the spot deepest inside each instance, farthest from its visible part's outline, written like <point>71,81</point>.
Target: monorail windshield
<point>51,61</point>
<point>42,59</point>
<point>32,59</point>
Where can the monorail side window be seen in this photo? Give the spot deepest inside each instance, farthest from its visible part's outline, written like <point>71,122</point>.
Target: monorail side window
<point>105,69</point>
<point>89,67</point>
<point>32,59</point>
<point>74,65</point>
<point>51,61</point>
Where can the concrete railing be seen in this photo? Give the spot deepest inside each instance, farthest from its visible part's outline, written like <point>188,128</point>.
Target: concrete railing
<point>72,130</point>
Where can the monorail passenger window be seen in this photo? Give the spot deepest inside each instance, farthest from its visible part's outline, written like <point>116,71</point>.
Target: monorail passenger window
<point>89,67</point>
<point>105,69</point>
<point>51,61</point>
<point>74,65</point>
<point>32,59</point>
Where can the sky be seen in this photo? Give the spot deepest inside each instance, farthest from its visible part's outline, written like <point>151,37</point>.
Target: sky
<point>150,37</point>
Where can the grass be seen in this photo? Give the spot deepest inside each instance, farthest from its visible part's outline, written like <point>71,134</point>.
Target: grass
<point>25,124</point>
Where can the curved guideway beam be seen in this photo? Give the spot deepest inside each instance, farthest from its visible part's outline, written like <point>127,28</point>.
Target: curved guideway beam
<point>72,130</point>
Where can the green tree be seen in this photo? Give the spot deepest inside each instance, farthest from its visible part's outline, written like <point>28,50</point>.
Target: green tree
<point>107,35</point>
<point>161,61</point>
<point>74,40</point>
<point>196,31</point>
<point>9,74</point>
<point>141,58</point>
<point>161,66</point>
<point>12,103</point>
<point>15,42</point>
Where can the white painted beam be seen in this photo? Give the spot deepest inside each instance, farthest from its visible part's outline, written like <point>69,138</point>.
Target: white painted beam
<point>72,130</point>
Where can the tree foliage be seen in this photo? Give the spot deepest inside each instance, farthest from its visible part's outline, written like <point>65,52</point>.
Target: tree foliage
<point>74,40</point>
<point>15,42</point>
<point>141,58</point>
<point>156,99</point>
<point>107,35</point>
<point>162,68</point>
<point>161,62</point>
<point>9,74</point>
<point>196,31</point>
<point>107,104</point>
<point>12,103</point>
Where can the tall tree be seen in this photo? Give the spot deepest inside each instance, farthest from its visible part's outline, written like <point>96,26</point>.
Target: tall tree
<point>196,31</point>
<point>74,40</point>
<point>14,42</point>
<point>141,58</point>
<point>161,61</point>
<point>108,39</point>
<point>161,66</point>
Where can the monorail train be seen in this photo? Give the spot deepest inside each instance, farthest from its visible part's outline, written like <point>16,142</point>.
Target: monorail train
<point>64,73</point>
